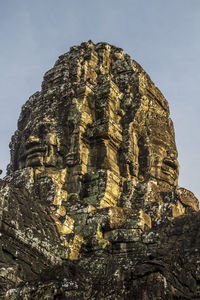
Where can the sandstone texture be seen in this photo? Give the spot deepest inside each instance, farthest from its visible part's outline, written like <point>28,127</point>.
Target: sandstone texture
<point>90,207</point>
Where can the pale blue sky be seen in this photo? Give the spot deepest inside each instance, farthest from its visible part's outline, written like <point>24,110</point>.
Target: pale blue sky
<point>163,36</point>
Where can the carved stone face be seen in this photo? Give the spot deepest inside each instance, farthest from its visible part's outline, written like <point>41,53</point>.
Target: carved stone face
<point>105,93</point>
<point>41,145</point>
<point>47,155</point>
<point>162,152</point>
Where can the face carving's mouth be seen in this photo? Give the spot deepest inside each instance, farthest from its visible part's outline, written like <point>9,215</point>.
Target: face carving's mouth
<point>33,154</point>
<point>170,163</point>
<point>35,151</point>
<point>169,167</point>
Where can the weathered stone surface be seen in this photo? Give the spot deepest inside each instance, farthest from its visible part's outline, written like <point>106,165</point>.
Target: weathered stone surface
<point>90,206</point>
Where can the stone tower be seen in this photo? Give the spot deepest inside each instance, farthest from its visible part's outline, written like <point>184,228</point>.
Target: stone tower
<point>91,207</point>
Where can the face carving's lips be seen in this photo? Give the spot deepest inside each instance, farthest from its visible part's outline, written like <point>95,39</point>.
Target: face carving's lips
<point>33,154</point>
<point>35,151</point>
<point>169,168</point>
<point>170,163</point>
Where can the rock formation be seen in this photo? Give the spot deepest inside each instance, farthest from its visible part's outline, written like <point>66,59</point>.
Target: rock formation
<point>90,206</point>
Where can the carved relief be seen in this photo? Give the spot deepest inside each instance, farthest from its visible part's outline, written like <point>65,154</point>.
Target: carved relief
<point>100,131</point>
